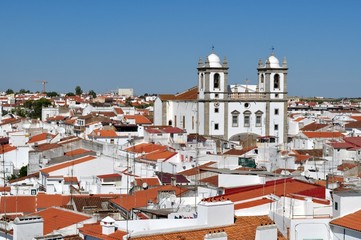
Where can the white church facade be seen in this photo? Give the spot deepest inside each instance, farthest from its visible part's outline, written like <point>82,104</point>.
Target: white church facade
<point>234,113</point>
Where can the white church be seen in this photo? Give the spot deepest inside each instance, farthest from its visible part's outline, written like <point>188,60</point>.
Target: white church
<point>235,113</point>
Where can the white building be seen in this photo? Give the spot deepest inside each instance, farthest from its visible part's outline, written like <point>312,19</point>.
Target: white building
<point>229,112</point>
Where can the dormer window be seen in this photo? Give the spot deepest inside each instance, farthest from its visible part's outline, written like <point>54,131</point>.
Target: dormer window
<point>216,78</point>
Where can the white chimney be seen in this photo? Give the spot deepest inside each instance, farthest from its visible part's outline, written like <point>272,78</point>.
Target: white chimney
<point>216,213</point>
<point>108,226</point>
<point>266,232</point>
<point>28,227</point>
<point>216,236</point>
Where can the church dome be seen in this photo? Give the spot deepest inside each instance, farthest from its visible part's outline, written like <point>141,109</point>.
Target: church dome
<point>274,63</point>
<point>214,60</point>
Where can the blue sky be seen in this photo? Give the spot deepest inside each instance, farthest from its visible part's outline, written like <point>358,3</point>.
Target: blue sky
<point>154,46</point>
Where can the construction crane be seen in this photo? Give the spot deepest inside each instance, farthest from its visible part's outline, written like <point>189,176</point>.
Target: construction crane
<point>44,85</point>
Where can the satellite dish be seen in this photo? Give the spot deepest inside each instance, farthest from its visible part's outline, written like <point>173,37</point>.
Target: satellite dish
<point>145,185</point>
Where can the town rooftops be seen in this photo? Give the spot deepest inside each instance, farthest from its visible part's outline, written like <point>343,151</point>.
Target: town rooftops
<point>190,94</point>
<point>41,137</point>
<point>6,148</point>
<point>139,119</point>
<point>313,127</point>
<point>146,148</point>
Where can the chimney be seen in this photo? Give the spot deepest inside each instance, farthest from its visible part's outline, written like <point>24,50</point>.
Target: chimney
<point>28,227</point>
<point>266,232</point>
<point>216,213</point>
<point>108,226</point>
<point>216,235</point>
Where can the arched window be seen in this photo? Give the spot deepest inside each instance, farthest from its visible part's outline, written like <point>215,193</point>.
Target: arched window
<point>202,80</point>
<point>262,78</point>
<point>276,81</point>
<point>216,80</point>
<point>170,122</point>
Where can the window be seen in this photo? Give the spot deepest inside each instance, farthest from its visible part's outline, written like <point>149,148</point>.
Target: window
<point>276,95</point>
<point>235,118</point>
<point>184,121</point>
<point>336,205</point>
<point>216,95</point>
<point>175,121</point>
<point>247,118</point>
<point>276,81</point>
<point>202,79</point>
<point>276,111</point>
<point>216,126</point>
<point>276,127</point>
<point>259,118</point>
<point>216,110</point>
<point>192,122</point>
<point>216,80</point>
<point>170,122</point>
<point>262,79</point>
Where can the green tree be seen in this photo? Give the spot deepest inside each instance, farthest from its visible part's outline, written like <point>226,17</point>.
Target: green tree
<point>78,90</point>
<point>9,91</point>
<point>33,108</point>
<point>22,91</point>
<point>52,94</point>
<point>23,171</point>
<point>70,94</point>
<point>92,93</point>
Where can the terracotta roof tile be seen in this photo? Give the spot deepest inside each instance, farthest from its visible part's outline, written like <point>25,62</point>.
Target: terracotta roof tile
<point>146,148</point>
<point>67,164</point>
<point>95,231</point>
<point>323,134</point>
<point>278,187</point>
<point>103,133</point>
<point>161,155</point>
<point>350,221</point>
<point>196,170</point>
<point>346,166</point>
<point>6,148</point>
<point>46,146</point>
<point>57,218</point>
<point>141,198</point>
<point>239,152</point>
<point>76,152</point>
<point>151,181</point>
<point>139,119</point>
<point>252,203</point>
<point>41,137</point>
<point>313,127</point>
<point>244,228</point>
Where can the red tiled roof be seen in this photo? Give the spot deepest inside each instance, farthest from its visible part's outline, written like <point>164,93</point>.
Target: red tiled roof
<point>56,118</point>
<point>103,133</point>
<point>151,181</point>
<point>6,148</point>
<point>161,155</point>
<point>244,228</point>
<point>252,203</point>
<point>346,166</point>
<point>146,148</point>
<point>140,198</point>
<point>71,180</point>
<point>277,187</point>
<point>313,127</point>
<point>41,137</point>
<point>163,129</point>
<point>111,175</point>
<point>196,170</point>
<point>57,218</point>
<point>323,134</point>
<point>139,119</point>
<point>95,230</point>
<point>213,180</point>
<point>118,110</point>
<point>67,164</point>
<point>350,221</point>
<point>76,152</point>
<point>46,146</point>
<point>239,152</point>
